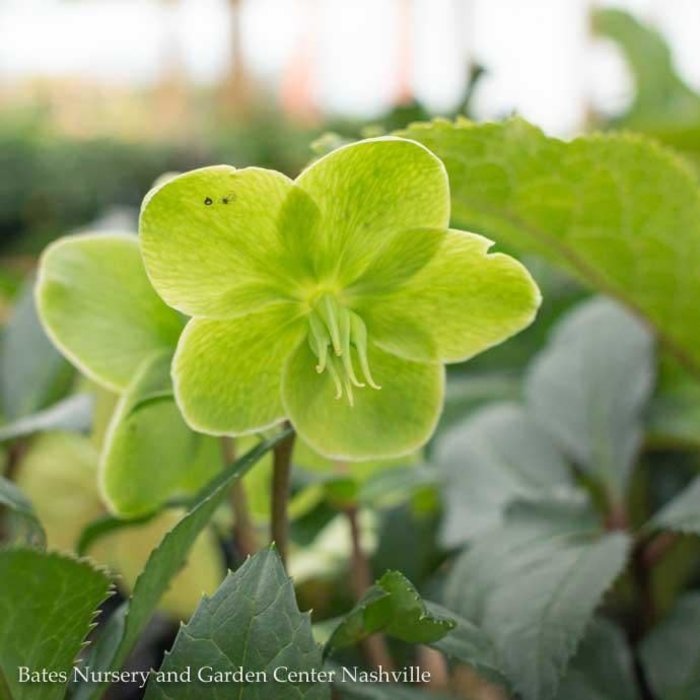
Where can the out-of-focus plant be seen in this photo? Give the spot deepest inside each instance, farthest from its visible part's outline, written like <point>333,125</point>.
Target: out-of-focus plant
<point>538,547</point>
<point>663,106</point>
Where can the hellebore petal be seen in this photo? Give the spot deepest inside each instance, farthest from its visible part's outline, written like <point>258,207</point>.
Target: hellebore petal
<point>463,301</point>
<point>367,192</point>
<point>227,373</point>
<point>388,422</point>
<point>150,454</point>
<point>208,238</point>
<point>98,307</point>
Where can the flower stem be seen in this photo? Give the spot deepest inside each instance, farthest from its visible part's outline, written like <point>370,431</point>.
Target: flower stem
<point>281,473</point>
<point>243,528</point>
<point>374,647</point>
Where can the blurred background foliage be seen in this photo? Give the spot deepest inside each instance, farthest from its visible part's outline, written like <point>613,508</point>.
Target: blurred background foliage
<point>60,174</point>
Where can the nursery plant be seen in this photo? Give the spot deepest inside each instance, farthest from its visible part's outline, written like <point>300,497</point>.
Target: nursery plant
<point>257,381</point>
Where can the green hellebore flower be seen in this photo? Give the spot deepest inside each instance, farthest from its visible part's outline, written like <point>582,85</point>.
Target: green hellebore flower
<point>98,307</point>
<point>333,300</point>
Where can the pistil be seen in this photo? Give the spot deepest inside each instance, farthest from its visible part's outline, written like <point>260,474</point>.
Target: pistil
<point>334,331</point>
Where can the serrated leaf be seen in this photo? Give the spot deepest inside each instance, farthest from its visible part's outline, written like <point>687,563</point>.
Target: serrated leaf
<point>468,644</point>
<point>73,413</point>
<point>602,668</point>
<point>147,432</point>
<point>125,625</point>
<point>393,606</point>
<point>32,372</point>
<point>128,551</point>
<point>589,386</point>
<point>47,603</point>
<point>497,455</point>
<point>385,691</point>
<point>532,585</point>
<point>252,623</point>
<point>618,211</point>
<point>670,653</point>
<point>681,514</point>
<point>20,506</point>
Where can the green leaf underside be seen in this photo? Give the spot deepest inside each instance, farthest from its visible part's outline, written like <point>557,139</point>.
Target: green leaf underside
<point>252,623</point>
<point>589,386</point>
<point>47,604</point>
<point>73,413</point>
<point>532,585</point>
<point>602,668</point>
<point>32,373</point>
<point>124,627</point>
<point>147,432</point>
<point>681,514</point>
<point>670,653</point>
<point>499,454</point>
<point>393,606</point>
<point>618,211</point>
<point>347,690</point>
<point>467,644</point>
<point>21,508</point>
<point>99,308</point>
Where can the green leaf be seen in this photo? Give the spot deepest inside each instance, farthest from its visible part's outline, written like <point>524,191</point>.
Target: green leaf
<point>671,652</point>
<point>124,627</point>
<point>496,456</point>
<point>73,413</point>
<point>384,691</point>
<point>468,644</point>
<point>532,586</point>
<point>618,211</point>
<point>129,549</point>
<point>661,98</point>
<point>393,606</point>
<point>465,392</point>
<point>673,417</point>
<point>47,603</point>
<point>682,514</point>
<point>21,507</point>
<point>252,623</point>
<point>589,386</point>
<point>150,454</point>
<point>602,668</point>
<point>100,309</point>
<point>32,373</point>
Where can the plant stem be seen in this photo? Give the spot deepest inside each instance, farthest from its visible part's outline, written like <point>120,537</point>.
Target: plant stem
<point>243,528</point>
<point>374,647</point>
<point>657,548</point>
<point>281,473</point>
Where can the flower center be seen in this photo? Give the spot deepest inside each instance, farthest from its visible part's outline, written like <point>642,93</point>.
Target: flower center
<point>334,333</point>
